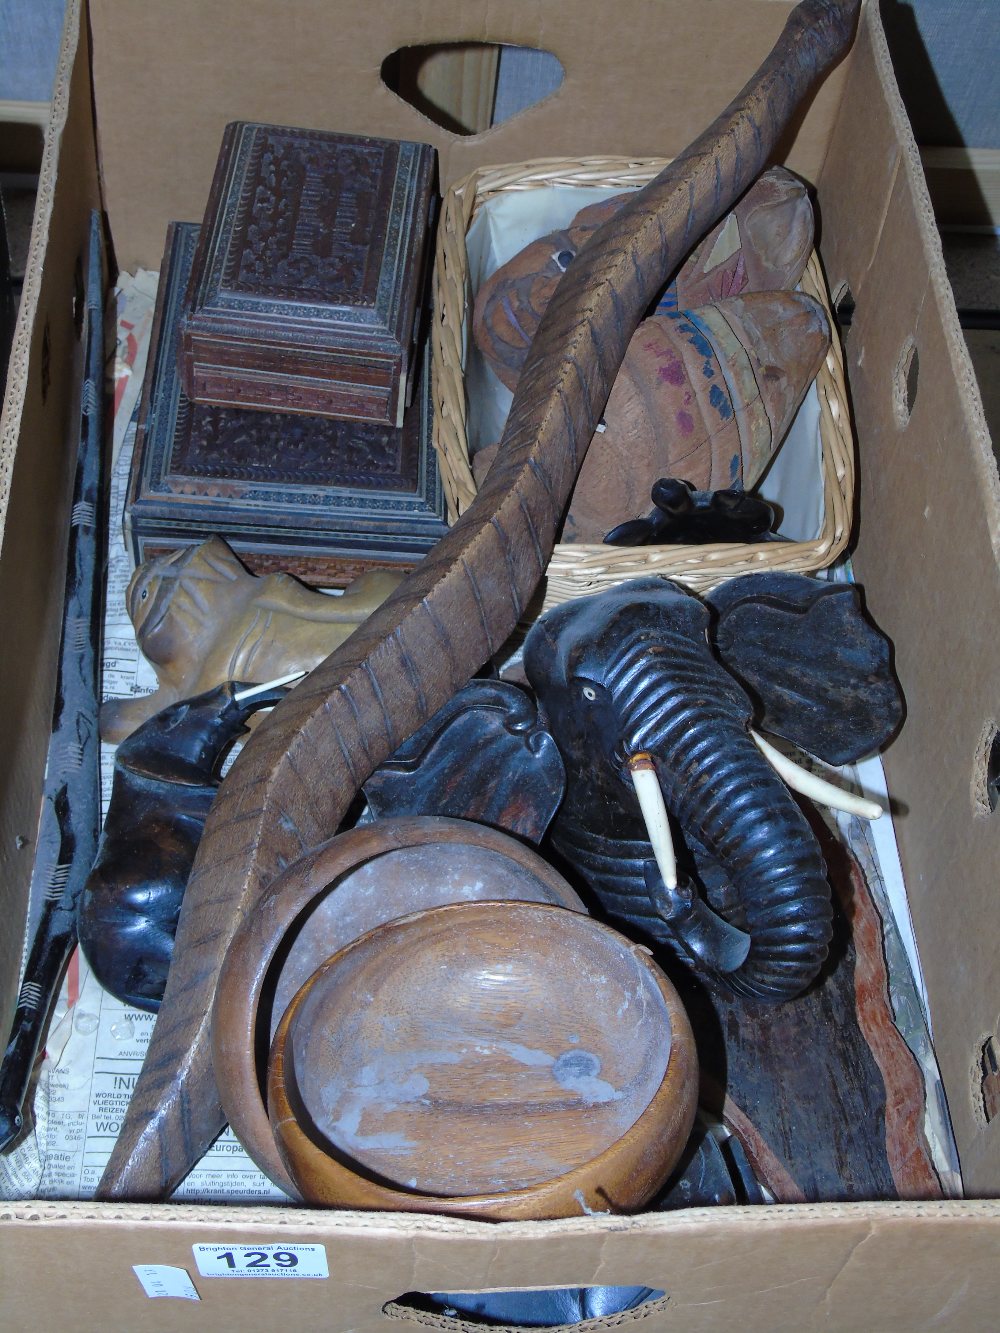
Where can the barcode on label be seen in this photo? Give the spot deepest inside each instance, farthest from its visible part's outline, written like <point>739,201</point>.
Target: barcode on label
<point>261,1260</point>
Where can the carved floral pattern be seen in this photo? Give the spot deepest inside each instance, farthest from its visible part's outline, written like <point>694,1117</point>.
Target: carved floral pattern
<point>312,219</point>
<point>274,447</point>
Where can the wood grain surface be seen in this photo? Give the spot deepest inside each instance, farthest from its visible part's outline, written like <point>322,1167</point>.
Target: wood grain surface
<point>824,1092</point>
<point>511,1060</point>
<point>346,887</point>
<point>292,784</point>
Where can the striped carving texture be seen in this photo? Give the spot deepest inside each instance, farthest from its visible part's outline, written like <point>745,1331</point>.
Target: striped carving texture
<point>297,776</point>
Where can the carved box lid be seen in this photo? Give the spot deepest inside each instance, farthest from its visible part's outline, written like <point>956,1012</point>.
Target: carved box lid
<point>320,497</point>
<point>307,286</point>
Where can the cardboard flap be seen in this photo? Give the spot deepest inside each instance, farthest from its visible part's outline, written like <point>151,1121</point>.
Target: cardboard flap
<point>894,1268</point>
<point>311,63</point>
<point>928,535</point>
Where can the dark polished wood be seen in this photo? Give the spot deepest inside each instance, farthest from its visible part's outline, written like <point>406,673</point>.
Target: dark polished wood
<point>292,784</point>
<point>69,817</point>
<point>824,1092</point>
<point>484,756</point>
<point>682,515</point>
<point>314,495</point>
<point>166,775</point>
<point>308,282</point>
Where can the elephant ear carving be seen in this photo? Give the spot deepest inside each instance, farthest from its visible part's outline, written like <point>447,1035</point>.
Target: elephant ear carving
<point>484,756</point>
<point>818,670</point>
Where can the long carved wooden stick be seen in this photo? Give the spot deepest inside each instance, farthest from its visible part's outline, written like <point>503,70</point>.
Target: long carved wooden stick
<point>69,822</point>
<point>294,780</point>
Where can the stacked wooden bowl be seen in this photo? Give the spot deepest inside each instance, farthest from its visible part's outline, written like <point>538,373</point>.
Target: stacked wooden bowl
<point>491,1056</point>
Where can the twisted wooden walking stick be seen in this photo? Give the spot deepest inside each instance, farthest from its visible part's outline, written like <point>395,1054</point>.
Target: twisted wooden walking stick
<point>293,782</point>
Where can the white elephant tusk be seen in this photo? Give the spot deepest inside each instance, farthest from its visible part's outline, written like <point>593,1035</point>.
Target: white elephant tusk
<point>816,788</point>
<point>654,813</point>
<point>268,685</point>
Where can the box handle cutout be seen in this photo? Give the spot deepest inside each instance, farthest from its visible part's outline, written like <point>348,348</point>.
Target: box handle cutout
<point>466,87</point>
<point>904,383</point>
<point>986,772</point>
<point>843,307</point>
<point>573,1308</point>
<point>989,1085</point>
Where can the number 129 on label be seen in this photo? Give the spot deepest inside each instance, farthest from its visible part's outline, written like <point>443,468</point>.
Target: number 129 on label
<point>262,1260</point>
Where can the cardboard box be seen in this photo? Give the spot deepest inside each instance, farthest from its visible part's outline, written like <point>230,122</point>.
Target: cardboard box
<point>141,138</point>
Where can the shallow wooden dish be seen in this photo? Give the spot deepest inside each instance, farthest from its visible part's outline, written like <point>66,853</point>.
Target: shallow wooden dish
<point>494,1059</point>
<point>339,891</point>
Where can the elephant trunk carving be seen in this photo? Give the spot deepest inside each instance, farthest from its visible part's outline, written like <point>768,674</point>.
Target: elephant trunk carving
<point>715,780</point>
<point>648,682</point>
<point>297,776</point>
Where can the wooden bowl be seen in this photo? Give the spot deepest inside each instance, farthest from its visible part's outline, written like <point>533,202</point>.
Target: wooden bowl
<point>341,890</point>
<point>495,1059</point>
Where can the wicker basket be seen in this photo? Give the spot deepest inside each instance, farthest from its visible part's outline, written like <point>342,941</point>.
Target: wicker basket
<point>576,570</point>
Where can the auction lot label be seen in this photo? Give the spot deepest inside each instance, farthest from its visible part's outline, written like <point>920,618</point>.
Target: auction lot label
<point>261,1260</point>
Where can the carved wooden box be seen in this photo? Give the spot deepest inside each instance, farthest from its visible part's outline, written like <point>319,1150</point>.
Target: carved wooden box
<point>320,497</point>
<point>306,292</point>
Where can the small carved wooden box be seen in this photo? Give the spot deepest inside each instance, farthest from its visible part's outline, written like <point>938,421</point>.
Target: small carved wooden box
<point>307,287</point>
<point>319,497</point>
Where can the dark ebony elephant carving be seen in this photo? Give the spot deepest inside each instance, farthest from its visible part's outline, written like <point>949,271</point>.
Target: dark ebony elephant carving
<point>647,686</point>
<point>165,779</point>
<point>649,675</point>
